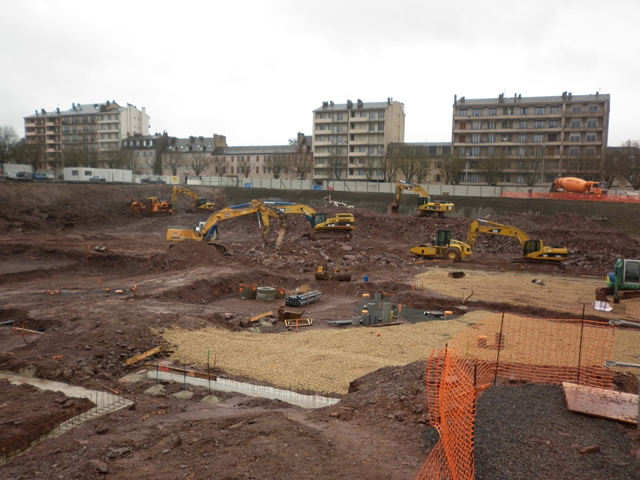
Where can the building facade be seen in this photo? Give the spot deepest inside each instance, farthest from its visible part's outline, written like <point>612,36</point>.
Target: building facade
<point>530,139</point>
<point>146,152</point>
<point>350,140</point>
<point>79,134</point>
<point>212,157</point>
<point>422,161</point>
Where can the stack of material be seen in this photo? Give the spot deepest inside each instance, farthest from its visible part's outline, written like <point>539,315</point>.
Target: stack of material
<point>303,298</point>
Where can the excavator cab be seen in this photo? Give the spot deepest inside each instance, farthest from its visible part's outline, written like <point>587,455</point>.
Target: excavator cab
<point>423,201</point>
<point>318,218</point>
<point>531,246</point>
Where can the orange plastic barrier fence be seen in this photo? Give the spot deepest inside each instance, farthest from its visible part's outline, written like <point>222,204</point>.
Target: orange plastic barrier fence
<point>587,197</point>
<point>504,347</point>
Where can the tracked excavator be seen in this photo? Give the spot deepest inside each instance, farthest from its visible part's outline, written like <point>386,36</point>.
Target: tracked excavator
<point>624,281</point>
<point>198,203</point>
<point>426,207</point>
<point>208,231</point>
<point>532,250</point>
<point>341,225</point>
<point>151,206</point>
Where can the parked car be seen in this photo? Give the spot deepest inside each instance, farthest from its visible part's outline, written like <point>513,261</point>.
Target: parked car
<point>39,176</point>
<point>97,178</point>
<point>23,177</point>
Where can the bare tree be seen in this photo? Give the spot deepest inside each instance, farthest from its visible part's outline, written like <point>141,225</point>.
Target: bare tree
<point>629,163</point>
<point>27,153</point>
<point>610,170</point>
<point>199,162</point>
<point>172,162</point>
<point>529,168</point>
<point>220,165</point>
<point>277,164</point>
<point>371,166</point>
<point>121,158</point>
<point>389,168</point>
<point>337,163</point>
<point>493,168</point>
<point>301,164</point>
<point>583,166</point>
<point>452,169</point>
<point>8,141</point>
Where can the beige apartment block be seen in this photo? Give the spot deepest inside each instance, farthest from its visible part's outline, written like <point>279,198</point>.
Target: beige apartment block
<point>546,137</point>
<point>82,131</point>
<point>350,139</point>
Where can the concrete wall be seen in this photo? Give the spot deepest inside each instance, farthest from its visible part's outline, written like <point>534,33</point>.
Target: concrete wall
<point>618,216</point>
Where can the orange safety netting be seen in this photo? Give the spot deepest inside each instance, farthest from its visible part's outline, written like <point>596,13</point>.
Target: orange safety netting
<point>504,347</point>
<point>588,197</point>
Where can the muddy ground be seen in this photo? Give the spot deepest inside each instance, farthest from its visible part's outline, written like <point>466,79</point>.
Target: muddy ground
<point>98,307</point>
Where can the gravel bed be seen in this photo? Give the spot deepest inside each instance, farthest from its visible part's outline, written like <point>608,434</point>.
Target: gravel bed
<point>526,432</point>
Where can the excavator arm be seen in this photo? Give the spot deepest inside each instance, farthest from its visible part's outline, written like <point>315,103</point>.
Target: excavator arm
<point>402,186</point>
<point>208,230</point>
<point>426,207</point>
<point>198,202</point>
<point>534,250</point>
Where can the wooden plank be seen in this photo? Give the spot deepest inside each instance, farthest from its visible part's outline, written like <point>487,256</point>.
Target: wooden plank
<point>599,402</point>
<point>262,315</point>
<point>142,356</point>
<point>180,371</point>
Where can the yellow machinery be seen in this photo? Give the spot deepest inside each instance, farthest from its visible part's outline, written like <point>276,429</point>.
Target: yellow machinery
<point>208,231</point>
<point>534,250</point>
<point>198,203</point>
<point>340,274</point>
<point>426,207</point>
<point>443,246</point>
<point>339,226</point>
<point>151,206</point>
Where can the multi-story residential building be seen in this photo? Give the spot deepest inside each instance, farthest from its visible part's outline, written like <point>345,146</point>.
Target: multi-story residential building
<point>84,129</point>
<point>350,139</point>
<point>211,156</point>
<point>422,160</point>
<point>147,152</point>
<point>543,136</point>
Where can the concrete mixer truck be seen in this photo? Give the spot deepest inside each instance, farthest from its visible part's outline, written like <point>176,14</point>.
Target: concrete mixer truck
<point>577,185</point>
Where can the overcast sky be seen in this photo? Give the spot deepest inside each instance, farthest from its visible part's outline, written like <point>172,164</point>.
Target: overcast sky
<point>255,70</point>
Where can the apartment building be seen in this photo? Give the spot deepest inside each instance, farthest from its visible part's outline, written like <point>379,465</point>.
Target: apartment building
<point>212,157</point>
<point>547,136</point>
<point>146,151</point>
<point>84,129</point>
<point>350,139</point>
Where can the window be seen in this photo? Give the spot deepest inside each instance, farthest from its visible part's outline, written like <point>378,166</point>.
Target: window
<point>576,124</point>
<point>491,138</point>
<point>553,124</point>
<point>523,124</point>
<point>524,110</point>
<point>462,138</point>
<point>540,110</point>
<point>590,151</point>
<point>591,137</point>
<point>381,127</point>
<point>493,112</point>
<point>576,109</point>
<point>381,115</point>
<point>553,137</point>
<point>592,123</point>
<point>477,112</point>
<point>507,110</point>
<point>257,168</point>
<point>372,127</point>
<point>462,112</point>
<point>462,125</point>
<point>507,124</point>
<point>74,172</point>
<point>522,151</point>
<point>340,116</point>
<point>372,115</point>
<point>363,114</point>
<point>593,108</point>
<point>538,138</point>
<point>522,138</point>
<point>491,125</point>
<point>372,150</point>
<point>538,124</point>
<point>574,152</point>
<point>553,110</point>
<point>574,137</point>
<point>477,125</point>
<point>462,151</point>
<point>490,151</point>
<point>474,178</point>
<point>231,169</point>
<point>362,149</point>
<point>475,152</point>
<point>475,138</point>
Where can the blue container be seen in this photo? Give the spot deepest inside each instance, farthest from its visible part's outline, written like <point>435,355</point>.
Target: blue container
<point>366,278</point>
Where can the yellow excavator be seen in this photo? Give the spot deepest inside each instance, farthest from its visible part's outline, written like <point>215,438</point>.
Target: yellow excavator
<point>426,207</point>
<point>198,203</point>
<point>208,231</point>
<point>532,250</point>
<point>339,226</point>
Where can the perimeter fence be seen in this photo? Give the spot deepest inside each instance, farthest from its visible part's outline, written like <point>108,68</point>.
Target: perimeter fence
<point>504,348</point>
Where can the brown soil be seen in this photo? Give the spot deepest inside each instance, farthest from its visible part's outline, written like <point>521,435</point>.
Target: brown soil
<point>97,308</point>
